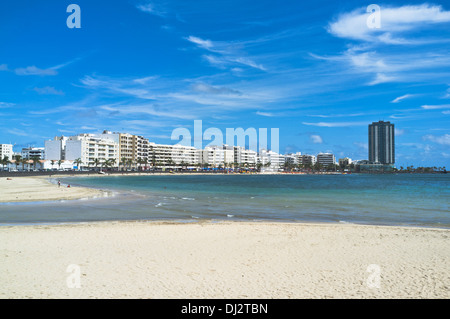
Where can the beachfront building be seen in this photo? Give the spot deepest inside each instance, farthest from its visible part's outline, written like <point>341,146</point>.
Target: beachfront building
<point>343,162</point>
<point>244,157</point>
<point>326,159</point>
<point>270,160</point>
<point>92,150</point>
<point>213,156</point>
<point>308,160</point>
<point>382,143</point>
<point>30,152</point>
<point>160,155</point>
<point>293,158</point>
<point>6,150</point>
<point>55,149</point>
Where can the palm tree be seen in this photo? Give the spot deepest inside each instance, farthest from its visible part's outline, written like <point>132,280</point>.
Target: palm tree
<point>52,162</point>
<point>59,164</point>
<point>78,161</point>
<point>35,159</point>
<point>113,161</point>
<point>96,162</point>
<point>23,161</point>
<point>5,161</point>
<point>123,162</point>
<point>17,159</point>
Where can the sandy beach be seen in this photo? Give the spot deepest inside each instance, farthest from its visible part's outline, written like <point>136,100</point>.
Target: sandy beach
<point>26,189</point>
<point>223,260</point>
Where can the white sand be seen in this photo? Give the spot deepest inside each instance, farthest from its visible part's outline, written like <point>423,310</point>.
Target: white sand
<point>223,260</point>
<point>23,189</point>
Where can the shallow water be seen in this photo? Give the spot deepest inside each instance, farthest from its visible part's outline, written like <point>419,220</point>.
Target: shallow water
<point>402,199</point>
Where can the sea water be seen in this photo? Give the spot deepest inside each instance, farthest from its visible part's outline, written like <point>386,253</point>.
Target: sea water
<point>385,199</point>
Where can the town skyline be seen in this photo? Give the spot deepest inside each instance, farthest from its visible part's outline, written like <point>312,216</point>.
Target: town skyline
<point>317,72</point>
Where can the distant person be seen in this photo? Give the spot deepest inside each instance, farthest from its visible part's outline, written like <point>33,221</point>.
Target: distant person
<point>68,186</point>
<point>59,183</point>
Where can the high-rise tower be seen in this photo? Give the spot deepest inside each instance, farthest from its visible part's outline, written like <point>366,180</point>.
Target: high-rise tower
<point>381,143</point>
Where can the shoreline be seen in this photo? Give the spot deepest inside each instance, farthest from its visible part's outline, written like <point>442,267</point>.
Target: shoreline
<point>204,260</point>
<point>41,189</point>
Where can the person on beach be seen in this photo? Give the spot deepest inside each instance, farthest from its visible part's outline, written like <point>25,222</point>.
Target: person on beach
<point>59,183</point>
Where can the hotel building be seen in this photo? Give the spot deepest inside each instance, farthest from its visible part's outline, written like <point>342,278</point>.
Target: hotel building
<point>30,152</point>
<point>89,147</point>
<point>381,143</point>
<point>6,150</point>
<point>326,159</point>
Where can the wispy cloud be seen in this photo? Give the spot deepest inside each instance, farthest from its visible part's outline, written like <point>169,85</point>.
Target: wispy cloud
<point>227,54</point>
<point>48,90</point>
<point>266,114</point>
<point>4,105</point>
<point>435,107</point>
<point>443,140</point>
<point>401,98</point>
<point>33,70</point>
<point>152,8</point>
<point>336,124</point>
<point>316,139</point>
<point>395,22</point>
<point>16,131</point>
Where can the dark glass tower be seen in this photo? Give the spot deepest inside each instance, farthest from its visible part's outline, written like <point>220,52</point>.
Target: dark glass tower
<point>381,143</point>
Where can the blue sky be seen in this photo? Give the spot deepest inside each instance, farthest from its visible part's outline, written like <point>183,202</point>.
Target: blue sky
<point>314,69</point>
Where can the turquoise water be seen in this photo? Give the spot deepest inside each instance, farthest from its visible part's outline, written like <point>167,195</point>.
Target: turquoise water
<point>402,199</point>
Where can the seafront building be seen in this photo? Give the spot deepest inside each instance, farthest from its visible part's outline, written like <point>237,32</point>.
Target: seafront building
<point>381,143</point>
<point>243,156</point>
<point>92,150</point>
<point>293,158</point>
<point>326,159</point>
<point>30,152</point>
<point>6,150</point>
<point>308,160</point>
<point>270,160</point>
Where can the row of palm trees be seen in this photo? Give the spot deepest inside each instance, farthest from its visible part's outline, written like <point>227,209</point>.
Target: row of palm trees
<point>19,160</point>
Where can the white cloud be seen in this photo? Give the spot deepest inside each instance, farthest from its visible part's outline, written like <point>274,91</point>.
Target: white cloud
<point>336,124</point>
<point>48,90</point>
<point>394,21</point>
<point>205,44</point>
<point>435,107</point>
<point>226,54</point>
<point>401,98</point>
<point>443,140</point>
<point>4,105</point>
<point>206,88</point>
<point>152,8</point>
<point>33,70</point>
<point>266,114</point>
<point>399,132</point>
<point>316,139</point>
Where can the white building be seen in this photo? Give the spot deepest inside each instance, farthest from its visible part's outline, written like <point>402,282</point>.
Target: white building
<point>55,149</point>
<point>163,154</point>
<point>6,150</point>
<point>293,158</point>
<point>244,156</point>
<point>326,159</point>
<point>89,147</point>
<point>270,160</point>
<point>29,152</point>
